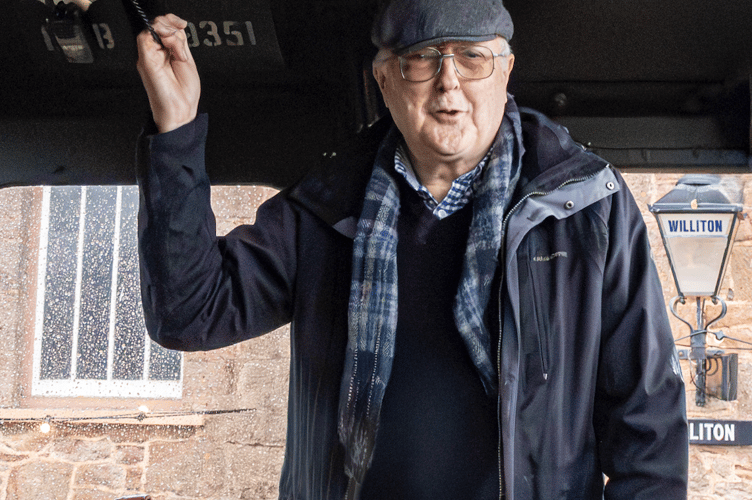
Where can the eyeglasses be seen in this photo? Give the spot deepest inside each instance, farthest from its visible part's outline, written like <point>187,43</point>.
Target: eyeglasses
<point>474,62</point>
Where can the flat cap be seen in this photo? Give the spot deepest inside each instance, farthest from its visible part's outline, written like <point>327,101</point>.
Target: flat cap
<point>406,25</point>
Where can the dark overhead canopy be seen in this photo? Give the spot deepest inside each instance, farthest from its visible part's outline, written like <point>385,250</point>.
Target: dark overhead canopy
<point>646,84</point>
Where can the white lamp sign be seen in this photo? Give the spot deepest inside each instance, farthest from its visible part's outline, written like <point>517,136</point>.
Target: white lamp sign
<point>699,242</point>
<point>698,220</point>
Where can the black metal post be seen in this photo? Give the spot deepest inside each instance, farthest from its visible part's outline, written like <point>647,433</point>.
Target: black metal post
<point>697,337</point>
<point>699,355</point>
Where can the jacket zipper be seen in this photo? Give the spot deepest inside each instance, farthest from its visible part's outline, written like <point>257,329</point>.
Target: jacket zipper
<point>500,309</point>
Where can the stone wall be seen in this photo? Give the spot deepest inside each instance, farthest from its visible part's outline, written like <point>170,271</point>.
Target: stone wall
<point>230,446</point>
<point>238,455</point>
<point>17,228</point>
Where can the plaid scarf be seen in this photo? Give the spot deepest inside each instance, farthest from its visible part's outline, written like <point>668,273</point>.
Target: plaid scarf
<point>372,314</point>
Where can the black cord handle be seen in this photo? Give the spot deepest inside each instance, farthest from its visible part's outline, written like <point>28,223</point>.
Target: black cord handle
<point>142,15</point>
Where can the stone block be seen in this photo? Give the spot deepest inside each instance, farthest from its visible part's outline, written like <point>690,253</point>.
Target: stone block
<point>188,468</point>
<point>87,494</point>
<point>262,428</point>
<point>6,458</point>
<point>744,471</point>
<point>133,478</point>
<point>79,450</point>
<point>263,384</point>
<point>274,345</point>
<point>723,465</point>
<point>26,439</point>
<point>264,490</point>
<point>205,382</point>
<point>129,455</point>
<point>254,470</point>
<point>269,428</point>
<point>40,481</point>
<point>106,475</point>
<point>738,275</point>
<point>732,490</point>
<point>698,476</point>
<point>230,428</point>
<point>142,433</point>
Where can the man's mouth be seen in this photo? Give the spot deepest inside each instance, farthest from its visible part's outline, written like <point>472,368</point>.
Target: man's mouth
<point>447,114</point>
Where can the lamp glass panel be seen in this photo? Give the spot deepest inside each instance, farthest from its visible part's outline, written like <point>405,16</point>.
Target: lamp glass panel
<point>696,244</point>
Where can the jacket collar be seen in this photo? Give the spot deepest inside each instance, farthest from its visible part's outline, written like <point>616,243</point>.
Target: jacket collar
<point>552,158</point>
<point>334,189</point>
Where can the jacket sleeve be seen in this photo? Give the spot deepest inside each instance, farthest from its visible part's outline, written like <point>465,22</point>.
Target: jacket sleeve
<point>640,414</point>
<point>200,291</point>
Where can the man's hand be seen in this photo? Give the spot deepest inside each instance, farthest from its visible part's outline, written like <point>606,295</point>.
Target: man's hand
<point>169,74</point>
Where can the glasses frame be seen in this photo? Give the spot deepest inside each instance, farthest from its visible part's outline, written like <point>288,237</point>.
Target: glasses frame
<point>442,56</point>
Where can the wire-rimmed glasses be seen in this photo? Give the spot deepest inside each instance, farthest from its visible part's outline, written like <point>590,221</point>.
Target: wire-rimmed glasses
<point>474,62</point>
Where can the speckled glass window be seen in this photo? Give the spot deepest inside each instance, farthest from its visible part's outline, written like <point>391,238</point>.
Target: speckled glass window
<point>90,338</point>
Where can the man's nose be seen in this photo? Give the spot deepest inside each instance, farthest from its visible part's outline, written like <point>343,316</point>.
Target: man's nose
<point>448,77</point>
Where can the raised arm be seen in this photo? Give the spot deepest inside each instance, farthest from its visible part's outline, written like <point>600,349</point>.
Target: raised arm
<point>169,73</point>
<point>199,291</point>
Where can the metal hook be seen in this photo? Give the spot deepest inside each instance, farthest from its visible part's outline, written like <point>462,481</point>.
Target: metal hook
<point>715,300</point>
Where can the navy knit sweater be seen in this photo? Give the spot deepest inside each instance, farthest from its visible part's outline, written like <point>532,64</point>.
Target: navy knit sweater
<point>438,435</point>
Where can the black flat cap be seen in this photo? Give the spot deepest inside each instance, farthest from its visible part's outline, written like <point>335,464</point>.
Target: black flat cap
<point>406,25</point>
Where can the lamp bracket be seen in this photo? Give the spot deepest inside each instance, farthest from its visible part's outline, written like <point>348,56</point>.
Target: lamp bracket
<point>715,300</point>
<point>682,299</point>
<point>701,326</point>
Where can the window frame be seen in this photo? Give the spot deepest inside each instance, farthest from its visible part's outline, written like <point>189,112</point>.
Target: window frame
<point>73,387</point>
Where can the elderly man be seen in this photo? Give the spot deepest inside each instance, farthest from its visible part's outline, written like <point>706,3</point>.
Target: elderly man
<point>475,312</point>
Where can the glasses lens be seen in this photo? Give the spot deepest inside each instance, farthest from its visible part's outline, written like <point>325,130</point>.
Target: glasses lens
<point>421,65</point>
<point>474,61</point>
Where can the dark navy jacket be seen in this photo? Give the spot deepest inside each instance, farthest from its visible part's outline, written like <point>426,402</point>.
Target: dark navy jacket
<point>589,379</point>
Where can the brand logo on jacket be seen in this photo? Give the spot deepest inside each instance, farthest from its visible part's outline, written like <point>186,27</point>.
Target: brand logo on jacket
<point>546,258</point>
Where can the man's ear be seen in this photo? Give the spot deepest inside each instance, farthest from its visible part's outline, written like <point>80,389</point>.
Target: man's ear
<point>510,59</point>
<point>380,75</point>
<point>380,67</point>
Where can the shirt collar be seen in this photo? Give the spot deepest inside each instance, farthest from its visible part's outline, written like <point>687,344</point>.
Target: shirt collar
<point>460,193</point>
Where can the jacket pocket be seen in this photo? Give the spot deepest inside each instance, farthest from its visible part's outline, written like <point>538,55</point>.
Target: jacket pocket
<point>537,296</point>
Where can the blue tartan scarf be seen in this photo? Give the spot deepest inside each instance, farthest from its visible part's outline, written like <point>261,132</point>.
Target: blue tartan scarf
<point>372,314</point>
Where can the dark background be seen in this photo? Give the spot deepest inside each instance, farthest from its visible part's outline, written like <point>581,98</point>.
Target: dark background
<point>660,86</point>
